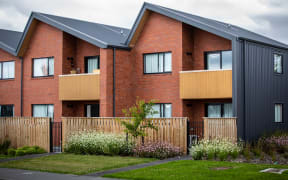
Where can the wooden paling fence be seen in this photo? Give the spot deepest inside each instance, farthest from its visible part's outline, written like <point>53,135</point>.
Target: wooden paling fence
<point>220,128</point>
<point>170,130</point>
<point>26,131</point>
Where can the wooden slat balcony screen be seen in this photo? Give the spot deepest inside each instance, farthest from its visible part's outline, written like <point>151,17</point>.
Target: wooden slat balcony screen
<point>206,84</point>
<point>77,87</point>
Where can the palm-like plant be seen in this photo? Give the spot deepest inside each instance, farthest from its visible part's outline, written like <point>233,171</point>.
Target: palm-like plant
<point>139,114</point>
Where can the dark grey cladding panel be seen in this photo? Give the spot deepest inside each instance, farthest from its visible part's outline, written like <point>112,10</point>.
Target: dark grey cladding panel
<point>263,89</point>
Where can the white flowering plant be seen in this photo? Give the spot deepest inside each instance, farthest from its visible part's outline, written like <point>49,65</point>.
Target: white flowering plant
<point>215,148</point>
<point>97,143</point>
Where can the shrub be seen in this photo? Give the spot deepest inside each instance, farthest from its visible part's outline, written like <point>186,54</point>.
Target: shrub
<point>4,146</point>
<point>39,150</point>
<point>98,143</point>
<point>276,142</point>
<point>234,154</point>
<point>157,150</point>
<point>223,155</point>
<point>11,152</point>
<point>216,146</point>
<point>20,152</point>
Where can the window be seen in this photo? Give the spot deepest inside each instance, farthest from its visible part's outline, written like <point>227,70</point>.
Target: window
<point>6,110</point>
<point>219,110</point>
<point>278,112</point>
<point>163,110</point>
<point>91,63</point>
<point>278,64</point>
<point>43,110</point>
<point>219,60</point>
<point>7,70</point>
<point>43,67</point>
<point>92,110</point>
<point>157,63</point>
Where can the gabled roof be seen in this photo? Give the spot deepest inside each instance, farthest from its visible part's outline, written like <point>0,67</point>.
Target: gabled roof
<point>219,28</point>
<point>97,34</point>
<point>9,40</point>
<point>105,36</point>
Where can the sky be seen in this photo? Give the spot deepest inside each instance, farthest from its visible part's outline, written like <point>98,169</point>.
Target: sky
<point>265,17</point>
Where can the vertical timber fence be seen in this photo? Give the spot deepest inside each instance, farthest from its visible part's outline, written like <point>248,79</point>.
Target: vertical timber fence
<point>170,130</point>
<point>220,128</point>
<point>26,131</point>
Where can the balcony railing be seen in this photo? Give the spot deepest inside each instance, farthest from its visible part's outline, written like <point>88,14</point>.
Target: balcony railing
<point>79,87</point>
<point>206,84</point>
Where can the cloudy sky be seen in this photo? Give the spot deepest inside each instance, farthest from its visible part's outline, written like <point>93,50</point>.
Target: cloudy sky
<point>266,17</point>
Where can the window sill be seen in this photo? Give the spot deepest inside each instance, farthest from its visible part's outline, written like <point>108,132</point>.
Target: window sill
<point>42,77</point>
<point>161,73</point>
<point>4,80</point>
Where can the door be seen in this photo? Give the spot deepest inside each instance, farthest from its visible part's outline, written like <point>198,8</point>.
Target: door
<point>92,110</point>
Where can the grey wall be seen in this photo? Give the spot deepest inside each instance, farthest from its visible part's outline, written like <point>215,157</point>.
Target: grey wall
<point>258,89</point>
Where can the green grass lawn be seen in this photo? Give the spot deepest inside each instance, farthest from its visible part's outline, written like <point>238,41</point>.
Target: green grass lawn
<point>201,170</point>
<point>74,164</point>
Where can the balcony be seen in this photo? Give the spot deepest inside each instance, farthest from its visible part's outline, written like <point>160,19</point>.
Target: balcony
<point>79,87</point>
<point>206,84</point>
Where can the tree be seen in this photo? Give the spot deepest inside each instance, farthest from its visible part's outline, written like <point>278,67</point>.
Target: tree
<point>139,121</point>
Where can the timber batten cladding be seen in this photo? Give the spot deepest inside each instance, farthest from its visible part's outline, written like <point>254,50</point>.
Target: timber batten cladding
<point>78,87</point>
<point>206,84</point>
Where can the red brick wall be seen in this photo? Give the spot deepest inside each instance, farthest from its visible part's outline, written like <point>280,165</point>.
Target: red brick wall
<point>10,89</point>
<point>205,41</point>
<point>85,49</point>
<point>106,83</point>
<point>124,95</point>
<point>160,34</point>
<point>45,42</point>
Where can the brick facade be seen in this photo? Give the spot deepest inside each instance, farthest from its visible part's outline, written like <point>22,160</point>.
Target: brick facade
<point>160,34</point>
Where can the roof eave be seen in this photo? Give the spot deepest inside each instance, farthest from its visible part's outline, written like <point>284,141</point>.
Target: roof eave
<point>8,49</point>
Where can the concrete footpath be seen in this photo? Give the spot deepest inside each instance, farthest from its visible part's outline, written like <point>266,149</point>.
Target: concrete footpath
<point>19,174</point>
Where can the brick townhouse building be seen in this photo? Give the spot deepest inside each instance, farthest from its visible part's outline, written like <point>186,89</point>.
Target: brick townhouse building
<point>193,66</point>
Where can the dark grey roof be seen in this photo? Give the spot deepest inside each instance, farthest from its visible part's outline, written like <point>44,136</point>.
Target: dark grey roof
<point>222,29</point>
<point>105,36</point>
<point>9,40</point>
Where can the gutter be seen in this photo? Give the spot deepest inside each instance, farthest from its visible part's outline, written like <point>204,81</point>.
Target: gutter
<point>21,88</point>
<point>265,44</point>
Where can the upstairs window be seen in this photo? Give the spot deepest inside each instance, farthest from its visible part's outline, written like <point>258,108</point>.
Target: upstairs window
<point>92,63</point>
<point>43,67</point>
<point>163,111</point>
<point>158,63</point>
<point>219,110</point>
<point>218,60</point>
<point>6,110</point>
<point>7,70</point>
<point>278,64</point>
<point>278,112</point>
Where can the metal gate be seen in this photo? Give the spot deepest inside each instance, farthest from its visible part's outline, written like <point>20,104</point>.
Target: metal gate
<point>55,136</point>
<point>195,132</point>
